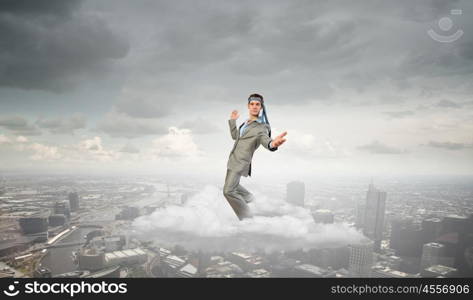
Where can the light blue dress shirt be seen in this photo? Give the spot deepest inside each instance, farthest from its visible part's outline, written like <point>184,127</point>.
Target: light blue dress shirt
<point>242,128</point>
<point>259,120</point>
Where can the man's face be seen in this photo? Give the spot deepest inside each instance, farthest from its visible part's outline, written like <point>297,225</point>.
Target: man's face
<point>254,108</point>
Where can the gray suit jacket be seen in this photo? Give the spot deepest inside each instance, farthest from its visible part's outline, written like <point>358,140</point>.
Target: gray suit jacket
<point>240,157</point>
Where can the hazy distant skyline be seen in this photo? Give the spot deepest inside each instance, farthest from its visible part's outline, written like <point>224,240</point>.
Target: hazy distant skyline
<point>148,86</point>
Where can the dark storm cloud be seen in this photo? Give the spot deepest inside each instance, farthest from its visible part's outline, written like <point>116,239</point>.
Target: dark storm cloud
<point>449,145</point>
<point>202,34</point>
<point>303,48</point>
<point>399,114</point>
<point>437,63</point>
<point>228,44</point>
<point>63,125</point>
<point>421,11</point>
<point>19,126</point>
<point>55,7</point>
<point>295,50</point>
<point>50,45</point>
<point>377,147</point>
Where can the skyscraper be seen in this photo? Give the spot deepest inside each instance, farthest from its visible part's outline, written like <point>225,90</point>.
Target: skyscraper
<point>398,226</point>
<point>431,255</point>
<point>360,215</point>
<point>454,223</point>
<point>457,232</point>
<point>295,193</point>
<point>373,224</point>
<point>431,228</point>
<point>360,258</point>
<point>62,208</point>
<point>73,201</point>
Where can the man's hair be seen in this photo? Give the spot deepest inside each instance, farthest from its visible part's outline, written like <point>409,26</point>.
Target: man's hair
<point>255,95</point>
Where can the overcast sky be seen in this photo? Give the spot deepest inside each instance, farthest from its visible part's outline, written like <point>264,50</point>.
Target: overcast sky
<point>142,86</point>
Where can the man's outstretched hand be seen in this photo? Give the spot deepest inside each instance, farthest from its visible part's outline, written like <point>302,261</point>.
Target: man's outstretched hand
<point>234,115</point>
<point>279,140</point>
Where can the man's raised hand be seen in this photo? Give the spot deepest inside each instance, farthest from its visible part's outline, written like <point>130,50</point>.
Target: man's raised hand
<point>234,115</point>
<point>279,140</point>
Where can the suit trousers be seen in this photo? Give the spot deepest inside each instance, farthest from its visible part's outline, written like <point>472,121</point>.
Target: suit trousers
<point>236,195</point>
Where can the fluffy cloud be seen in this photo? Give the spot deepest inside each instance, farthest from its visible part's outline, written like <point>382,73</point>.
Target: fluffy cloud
<point>178,143</point>
<point>94,150</point>
<point>18,140</point>
<point>308,146</point>
<point>86,151</point>
<point>19,143</point>
<point>21,139</point>
<point>206,221</point>
<point>4,139</point>
<point>43,152</point>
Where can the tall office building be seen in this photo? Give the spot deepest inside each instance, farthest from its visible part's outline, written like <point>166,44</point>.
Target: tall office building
<point>295,193</point>
<point>454,223</point>
<point>431,228</point>
<point>466,250</point>
<point>457,235</point>
<point>62,208</point>
<point>360,215</point>
<point>398,225</point>
<point>406,237</point>
<point>360,258</point>
<point>373,224</point>
<point>57,220</point>
<point>431,255</point>
<point>35,223</point>
<point>74,201</point>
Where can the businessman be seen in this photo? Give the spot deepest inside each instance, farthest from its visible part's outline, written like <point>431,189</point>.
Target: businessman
<point>255,131</point>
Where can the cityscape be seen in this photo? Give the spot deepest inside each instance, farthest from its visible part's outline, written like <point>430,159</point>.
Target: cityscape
<point>79,227</point>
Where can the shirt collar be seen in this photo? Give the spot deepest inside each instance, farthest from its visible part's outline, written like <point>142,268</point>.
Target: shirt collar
<point>259,120</point>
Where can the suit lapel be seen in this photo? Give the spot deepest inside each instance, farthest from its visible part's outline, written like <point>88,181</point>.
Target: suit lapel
<point>238,138</point>
<point>248,128</point>
<point>239,128</point>
<point>244,133</point>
